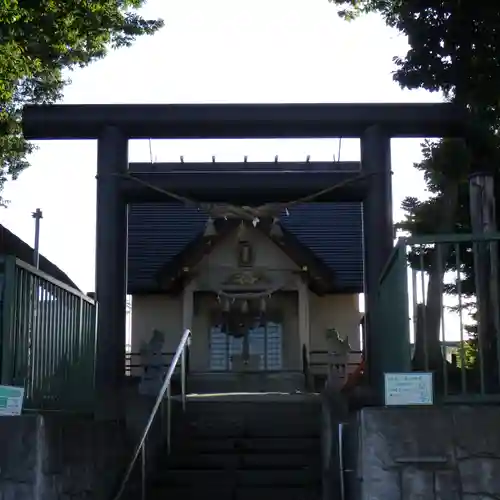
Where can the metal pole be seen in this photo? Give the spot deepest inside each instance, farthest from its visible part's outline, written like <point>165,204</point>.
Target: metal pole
<point>37,215</point>
<point>340,438</point>
<point>183,379</point>
<point>33,328</point>
<point>169,418</point>
<point>143,471</point>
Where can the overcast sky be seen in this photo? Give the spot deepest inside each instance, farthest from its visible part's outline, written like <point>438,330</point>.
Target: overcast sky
<point>216,51</point>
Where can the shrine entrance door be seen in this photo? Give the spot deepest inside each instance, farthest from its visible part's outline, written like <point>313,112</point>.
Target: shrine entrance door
<point>242,346</point>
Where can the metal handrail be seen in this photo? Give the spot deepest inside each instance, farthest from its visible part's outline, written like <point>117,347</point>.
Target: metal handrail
<point>140,449</point>
<point>340,438</point>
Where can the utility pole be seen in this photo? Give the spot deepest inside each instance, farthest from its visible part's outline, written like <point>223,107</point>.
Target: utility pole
<point>37,215</point>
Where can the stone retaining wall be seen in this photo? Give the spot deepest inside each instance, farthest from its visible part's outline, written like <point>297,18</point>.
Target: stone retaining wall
<point>60,457</point>
<point>438,453</point>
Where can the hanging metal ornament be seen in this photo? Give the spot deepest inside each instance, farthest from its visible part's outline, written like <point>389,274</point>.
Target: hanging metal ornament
<point>262,313</point>
<point>226,305</point>
<point>242,231</point>
<point>263,305</point>
<point>244,307</point>
<point>276,231</point>
<point>210,230</point>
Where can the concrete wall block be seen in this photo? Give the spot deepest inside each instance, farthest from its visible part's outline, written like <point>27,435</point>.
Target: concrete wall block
<point>417,484</point>
<point>441,453</point>
<point>484,418</point>
<point>16,491</point>
<point>476,497</point>
<point>58,457</point>
<point>404,432</point>
<point>480,475</point>
<point>447,485</point>
<point>381,484</point>
<point>18,455</point>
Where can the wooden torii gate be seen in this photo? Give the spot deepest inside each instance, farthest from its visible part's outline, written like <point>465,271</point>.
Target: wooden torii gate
<point>113,125</point>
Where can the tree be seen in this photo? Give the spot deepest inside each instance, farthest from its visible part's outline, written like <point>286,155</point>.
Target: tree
<point>453,49</point>
<point>40,40</point>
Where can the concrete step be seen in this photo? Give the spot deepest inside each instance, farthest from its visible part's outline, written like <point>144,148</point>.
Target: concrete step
<point>281,461</point>
<point>252,415</point>
<point>263,428</point>
<point>188,492</point>
<point>229,461</point>
<point>249,445</point>
<point>249,410</point>
<point>277,494</point>
<point>258,448</point>
<point>287,404</point>
<point>265,477</point>
<point>210,382</point>
<point>233,419</point>
<point>246,493</point>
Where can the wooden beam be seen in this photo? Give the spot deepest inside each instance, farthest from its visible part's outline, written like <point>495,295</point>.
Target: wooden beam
<point>241,121</point>
<point>241,186</point>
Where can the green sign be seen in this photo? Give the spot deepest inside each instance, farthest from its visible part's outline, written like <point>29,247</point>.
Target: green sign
<point>409,389</point>
<point>11,400</point>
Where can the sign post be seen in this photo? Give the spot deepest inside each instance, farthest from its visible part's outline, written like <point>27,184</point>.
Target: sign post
<point>11,400</point>
<point>409,389</point>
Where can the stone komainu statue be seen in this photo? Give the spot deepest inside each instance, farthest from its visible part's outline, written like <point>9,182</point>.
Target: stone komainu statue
<point>153,362</point>
<point>337,344</point>
<point>340,349</point>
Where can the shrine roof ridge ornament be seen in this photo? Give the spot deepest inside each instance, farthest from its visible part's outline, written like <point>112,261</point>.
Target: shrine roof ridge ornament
<point>243,121</point>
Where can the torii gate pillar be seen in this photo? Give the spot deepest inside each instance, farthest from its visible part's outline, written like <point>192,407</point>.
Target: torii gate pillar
<point>378,237</point>
<point>111,271</point>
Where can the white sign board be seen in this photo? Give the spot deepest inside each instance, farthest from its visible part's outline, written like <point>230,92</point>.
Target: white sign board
<point>11,400</point>
<point>408,389</point>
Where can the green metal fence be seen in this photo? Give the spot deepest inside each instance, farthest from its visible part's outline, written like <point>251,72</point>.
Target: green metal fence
<point>392,315</point>
<point>48,339</point>
<point>439,291</point>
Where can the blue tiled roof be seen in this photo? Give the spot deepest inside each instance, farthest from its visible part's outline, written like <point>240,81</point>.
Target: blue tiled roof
<point>334,232</point>
<point>159,231</point>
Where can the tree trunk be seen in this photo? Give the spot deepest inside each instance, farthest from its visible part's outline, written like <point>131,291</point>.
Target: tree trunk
<point>483,222</point>
<point>428,354</point>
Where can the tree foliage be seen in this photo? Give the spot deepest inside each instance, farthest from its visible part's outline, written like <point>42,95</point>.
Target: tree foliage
<point>39,41</point>
<point>454,48</point>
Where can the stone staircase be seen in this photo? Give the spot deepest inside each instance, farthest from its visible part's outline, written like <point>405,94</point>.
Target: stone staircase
<point>243,447</point>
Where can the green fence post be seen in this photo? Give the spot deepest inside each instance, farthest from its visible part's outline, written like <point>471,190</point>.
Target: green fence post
<point>392,320</point>
<point>7,303</point>
<point>397,356</point>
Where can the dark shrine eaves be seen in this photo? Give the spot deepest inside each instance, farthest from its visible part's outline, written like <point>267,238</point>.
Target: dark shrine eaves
<point>243,121</point>
<point>245,182</point>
